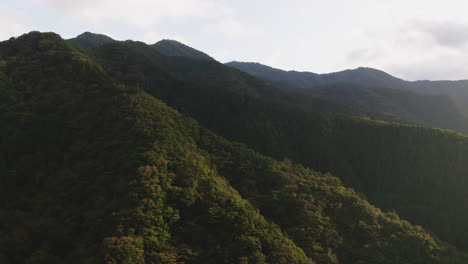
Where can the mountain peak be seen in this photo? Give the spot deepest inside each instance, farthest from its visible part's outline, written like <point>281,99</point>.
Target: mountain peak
<point>373,71</point>
<point>171,47</point>
<point>250,64</point>
<point>91,40</point>
<point>305,80</point>
<point>364,76</point>
<point>169,41</point>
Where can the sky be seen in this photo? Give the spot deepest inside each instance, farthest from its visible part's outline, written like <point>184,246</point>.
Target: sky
<point>410,39</point>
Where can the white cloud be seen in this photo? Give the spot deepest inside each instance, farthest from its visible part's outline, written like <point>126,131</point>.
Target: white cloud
<point>191,21</point>
<point>143,13</point>
<point>12,23</point>
<point>152,37</point>
<point>445,33</point>
<point>414,49</point>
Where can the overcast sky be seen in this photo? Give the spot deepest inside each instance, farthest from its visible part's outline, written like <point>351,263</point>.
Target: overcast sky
<point>411,39</point>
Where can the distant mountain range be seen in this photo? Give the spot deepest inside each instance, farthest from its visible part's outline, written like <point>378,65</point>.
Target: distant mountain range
<point>361,75</point>
<point>432,103</point>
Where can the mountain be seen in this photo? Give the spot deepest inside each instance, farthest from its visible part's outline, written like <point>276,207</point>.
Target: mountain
<point>175,48</point>
<point>372,90</point>
<point>95,171</point>
<point>306,80</point>
<point>89,40</point>
<point>457,90</point>
<point>419,172</point>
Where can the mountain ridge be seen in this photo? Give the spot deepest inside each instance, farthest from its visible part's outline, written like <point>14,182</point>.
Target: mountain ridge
<point>360,69</point>
<point>373,89</point>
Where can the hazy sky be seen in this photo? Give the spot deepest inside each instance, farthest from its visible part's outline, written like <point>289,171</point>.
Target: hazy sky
<point>411,39</point>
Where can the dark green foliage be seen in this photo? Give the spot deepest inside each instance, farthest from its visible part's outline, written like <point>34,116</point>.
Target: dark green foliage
<point>419,172</point>
<point>125,250</point>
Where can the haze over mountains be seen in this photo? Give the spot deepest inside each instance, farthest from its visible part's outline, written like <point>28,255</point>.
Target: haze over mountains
<point>362,75</point>
<point>123,152</point>
<point>363,87</point>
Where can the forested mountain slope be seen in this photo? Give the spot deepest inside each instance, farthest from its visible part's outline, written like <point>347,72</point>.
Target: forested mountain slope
<point>419,172</point>
<point>373,91</point>
<point>93,171</point>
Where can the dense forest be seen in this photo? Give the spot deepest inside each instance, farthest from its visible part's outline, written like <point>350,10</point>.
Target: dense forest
<point>95,169</point>
<point>419,172</point>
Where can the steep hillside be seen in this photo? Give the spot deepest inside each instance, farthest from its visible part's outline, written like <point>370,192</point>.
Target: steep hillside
<point>419,172</point>
<point>97,172</point>
<point>373,91</point>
